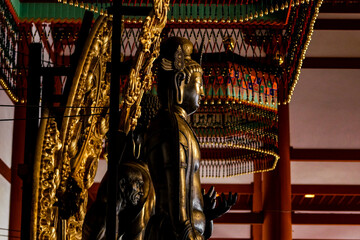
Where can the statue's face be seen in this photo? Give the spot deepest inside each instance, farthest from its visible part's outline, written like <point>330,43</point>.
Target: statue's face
<point>134,190</point>
<point>193,93</point>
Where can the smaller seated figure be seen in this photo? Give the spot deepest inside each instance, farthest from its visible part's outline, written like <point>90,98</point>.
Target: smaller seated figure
<point>133,209</point>
<point>136,194</point>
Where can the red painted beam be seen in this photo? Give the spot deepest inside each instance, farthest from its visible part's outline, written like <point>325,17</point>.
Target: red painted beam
<point>231,238</point>
<point>257,206</point>
<point>328,7</point>
<point>337,24</point>
<point>234,188</point>
<point>325,219</point>
<point>332,62</point>
<point>343,190</point>
<point>293,239</point>
<point>296,189</point>
<point>5,171</point>
<point>241,218</point>
<point>317,239</point>
<point>325,207</point>
<point>325,154</point>
<point>297,219</point>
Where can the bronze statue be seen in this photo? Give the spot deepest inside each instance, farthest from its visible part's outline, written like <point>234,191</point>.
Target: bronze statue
<point>136,199</point>
<point>173,151</point>
<point>133,209</point>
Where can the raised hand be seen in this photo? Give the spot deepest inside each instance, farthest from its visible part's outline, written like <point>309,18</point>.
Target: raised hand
<point>224,205</point>
<point>209,200</point>
<point>212,211</point>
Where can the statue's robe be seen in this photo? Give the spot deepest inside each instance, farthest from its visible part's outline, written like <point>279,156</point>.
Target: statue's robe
<point>173,155</point>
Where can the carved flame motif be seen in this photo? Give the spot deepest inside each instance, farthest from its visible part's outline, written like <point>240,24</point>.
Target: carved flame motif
<point>69,160</point>
<point>141,77</point>
<point>85,123</point>
<point>47,180</point>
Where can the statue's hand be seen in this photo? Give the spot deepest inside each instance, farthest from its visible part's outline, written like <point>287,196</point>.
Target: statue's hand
<point>209,200</point>
<point>224,205</point>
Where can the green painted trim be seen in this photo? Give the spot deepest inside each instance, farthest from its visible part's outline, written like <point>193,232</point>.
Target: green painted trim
<point>17,6</point>
<point>50,10</point>
<point>218,12</point>
<point>183,11</point>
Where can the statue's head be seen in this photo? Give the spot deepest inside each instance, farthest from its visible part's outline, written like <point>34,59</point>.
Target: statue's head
<point>131,185</point>
<point>180,77</point>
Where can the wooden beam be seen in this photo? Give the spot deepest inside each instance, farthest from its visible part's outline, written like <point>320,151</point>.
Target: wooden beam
<point>5,171</point>
<point>337,24</point>
<point>234,188</point>
<point>339,8</point>
<point>325,219</point>
<point>343,190</point>
<point>325,207</point>
<point>325,154</point>
<point>241,218</point>
<point>331,62</point>
<point>231,238</point>
<point>257,206</point>
<point>297,219</point>
<point>293,239</point>
<point>297,189</point>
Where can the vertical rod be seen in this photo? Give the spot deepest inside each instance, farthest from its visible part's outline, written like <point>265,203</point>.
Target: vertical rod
<point>284,169</point>
<point>277,187</point>
<point>18,147</point>
<point>113,161</point>
<point>256,229</point>
<point>32,124</point>
<point>74,59</point>
<point>48,84</point>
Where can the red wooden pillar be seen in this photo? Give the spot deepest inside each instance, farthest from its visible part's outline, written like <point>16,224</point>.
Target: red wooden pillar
<point>277,187</point>
<point>16,182</point>
<point>256,229</point>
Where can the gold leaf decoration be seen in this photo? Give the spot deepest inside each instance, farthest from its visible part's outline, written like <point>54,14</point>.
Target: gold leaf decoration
<point>68,159</point>
<point>46,180</point>
<point>141,77</point>
<point>85,122</point>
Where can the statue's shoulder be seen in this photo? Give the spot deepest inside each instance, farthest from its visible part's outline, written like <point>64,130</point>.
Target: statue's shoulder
<point>163,121</point>
<point>161,129</point>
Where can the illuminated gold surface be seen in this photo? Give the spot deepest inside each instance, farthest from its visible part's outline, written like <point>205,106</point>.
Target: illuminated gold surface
<point>141,77</point>
<point>46,181</point>
<point>11,95</point>
<point>85,123</point>
<point>251,15</point>
<point>303,51</point>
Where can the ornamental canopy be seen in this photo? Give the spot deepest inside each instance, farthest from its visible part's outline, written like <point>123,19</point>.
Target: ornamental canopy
<point>251,53</point>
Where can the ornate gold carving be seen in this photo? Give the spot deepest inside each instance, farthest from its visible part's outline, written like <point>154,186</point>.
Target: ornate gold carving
<point>46,180</point>
<point>70,170</point>
<point>49,182</point>
<point>141,76</point>
<point>86,120</point>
